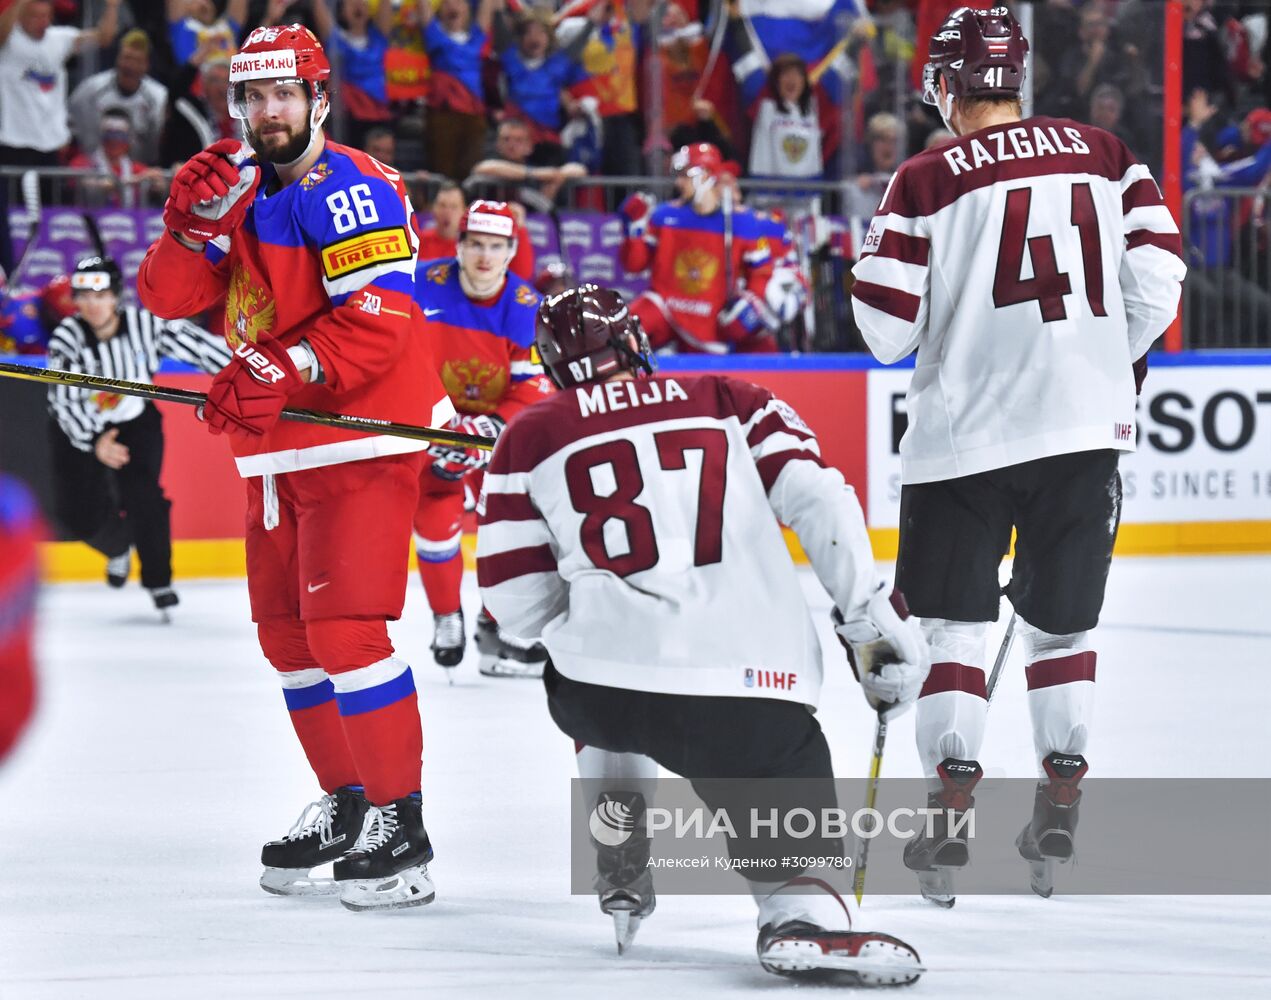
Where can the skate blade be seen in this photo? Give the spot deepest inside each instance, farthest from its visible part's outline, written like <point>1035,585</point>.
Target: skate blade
<point>937,887</point>
<point>297,882</point>
<point>1041,877</point>
<point>878,963</point>
<point>625,925</point>
<point>165,618</point>
<point>503,667</point>
<point>412,887</point>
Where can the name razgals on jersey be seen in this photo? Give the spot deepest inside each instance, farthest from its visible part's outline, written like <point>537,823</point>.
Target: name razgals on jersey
<point>1029,264</point>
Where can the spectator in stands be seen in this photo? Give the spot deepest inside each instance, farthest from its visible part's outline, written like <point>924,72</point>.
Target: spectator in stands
<point>441,236</point>
<point>884,148</point>
<point>696,105</point>
<point>517,159</point>
<point>454,129</point>
<point>1107,105</point>
<point>1098,58</point>
<point>938,137</point>
<point>786,139</point>
<point>380,143</point>
<point>609,57</point>
<point>536,73</point>
<point>196,30</point>
<point>361,46</point>
<point>1204,56</point>
<point>121,186</point>
<point>33,56</point>
<point>195,122</point>
<point>125,87</point>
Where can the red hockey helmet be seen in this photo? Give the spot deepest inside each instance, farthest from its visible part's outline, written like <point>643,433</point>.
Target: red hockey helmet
<point>980,53</point>
<point>57,301</point>
<point>284,52</point>
<point>581,336</point>
<point>489,218</point>
<point>703,156</point>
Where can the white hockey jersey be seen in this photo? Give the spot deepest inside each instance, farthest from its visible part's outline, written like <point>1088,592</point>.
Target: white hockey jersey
<point>1030,264</point>
<point>633,525</point>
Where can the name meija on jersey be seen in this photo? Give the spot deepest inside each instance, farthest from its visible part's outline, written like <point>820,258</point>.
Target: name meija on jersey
<point>1021,148</point>
<point>606,397</point>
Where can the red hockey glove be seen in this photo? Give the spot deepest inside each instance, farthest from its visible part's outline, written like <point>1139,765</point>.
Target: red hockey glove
<point>744,318</point>
<point>210,194</point>
<point>250,392</point>
<point>454,463</point>
<point>635,211</point>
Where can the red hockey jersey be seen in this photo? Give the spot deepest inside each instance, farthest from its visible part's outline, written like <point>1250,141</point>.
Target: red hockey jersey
<point>329,259</point>
<point>482,346</point>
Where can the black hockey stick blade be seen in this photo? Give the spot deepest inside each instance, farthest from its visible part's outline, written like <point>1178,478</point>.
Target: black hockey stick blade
<point>368,425</point>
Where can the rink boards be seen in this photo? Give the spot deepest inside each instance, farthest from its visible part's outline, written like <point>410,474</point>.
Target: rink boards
<point>1200,481</point>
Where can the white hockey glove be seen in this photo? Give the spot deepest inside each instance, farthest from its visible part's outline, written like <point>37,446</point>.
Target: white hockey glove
<point>888,652</point>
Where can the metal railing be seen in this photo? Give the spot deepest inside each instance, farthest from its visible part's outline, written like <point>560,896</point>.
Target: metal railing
<point>1227,243</point>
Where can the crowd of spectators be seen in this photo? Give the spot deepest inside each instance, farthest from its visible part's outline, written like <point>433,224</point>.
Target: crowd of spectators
<point>543,92</point>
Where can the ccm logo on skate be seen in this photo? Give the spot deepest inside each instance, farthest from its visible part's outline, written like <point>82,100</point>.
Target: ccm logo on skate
<point>771,679</point>
<point>611,823</point>
<point>259,365</point>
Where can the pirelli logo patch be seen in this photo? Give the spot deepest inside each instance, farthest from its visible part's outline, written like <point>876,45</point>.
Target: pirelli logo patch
<point>366,250</point>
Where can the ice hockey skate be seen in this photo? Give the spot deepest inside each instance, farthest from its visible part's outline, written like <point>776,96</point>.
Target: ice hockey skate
<point>118,568</point>
<point>326,830</point>
<point>388,866</point>
<point>504,655</point>
<point>164,598</point>
<point>936,856</point>
<point>1047,840</point>
<point>448,639</point>
<point>624,882</point>
<point>804,951</point>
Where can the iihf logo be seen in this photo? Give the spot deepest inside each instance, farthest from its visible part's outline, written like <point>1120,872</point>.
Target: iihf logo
<point>750,678</point>
<point>611,822</point>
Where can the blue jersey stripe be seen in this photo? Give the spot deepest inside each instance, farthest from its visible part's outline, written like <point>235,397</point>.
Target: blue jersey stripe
<point>369,699</point>
<point>308,697</point>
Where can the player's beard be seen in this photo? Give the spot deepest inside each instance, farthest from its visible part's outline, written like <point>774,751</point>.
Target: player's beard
<point>284,153</point>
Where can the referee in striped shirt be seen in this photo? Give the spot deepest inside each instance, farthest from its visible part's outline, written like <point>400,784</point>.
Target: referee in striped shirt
<point>108,448</point>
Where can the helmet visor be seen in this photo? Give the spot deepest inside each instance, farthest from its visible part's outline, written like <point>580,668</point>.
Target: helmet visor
<point>249,99</point>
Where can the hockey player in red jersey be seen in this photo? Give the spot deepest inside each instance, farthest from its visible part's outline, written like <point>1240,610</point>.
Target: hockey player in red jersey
<point>20,530</point>
<point>710,260</point>
<point>309,245</point>
<point>479,320</point>
<point>1022,400</point>
<point>634,523</point>
<point>440,238</point>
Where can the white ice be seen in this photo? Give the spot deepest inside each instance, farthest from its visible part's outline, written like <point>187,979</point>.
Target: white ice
<point>133,815</point>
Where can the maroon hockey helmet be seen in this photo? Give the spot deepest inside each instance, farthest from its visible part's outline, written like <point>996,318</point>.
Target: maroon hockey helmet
<point>581,336</point>
<point>980,53</point>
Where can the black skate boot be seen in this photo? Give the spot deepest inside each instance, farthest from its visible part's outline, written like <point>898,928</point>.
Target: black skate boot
<point>388,867</point>
<point>504,655</point>
<point>448,639</point>
<point>624,883</point>
<point>1048,837</point>
<point>937,856</point>
<point>118,568</point>
<point>164,598</point>
<point>326,830</point>
<point>803,951</point>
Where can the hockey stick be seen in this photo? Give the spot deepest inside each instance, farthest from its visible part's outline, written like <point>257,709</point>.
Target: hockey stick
<point>368,425</point>
<point>726,203</point>
<point>880,736</point>
<point>871,796</point>
<point>31,196</point>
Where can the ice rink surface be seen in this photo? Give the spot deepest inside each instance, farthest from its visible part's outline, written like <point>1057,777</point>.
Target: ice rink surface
<point>133,816</point>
